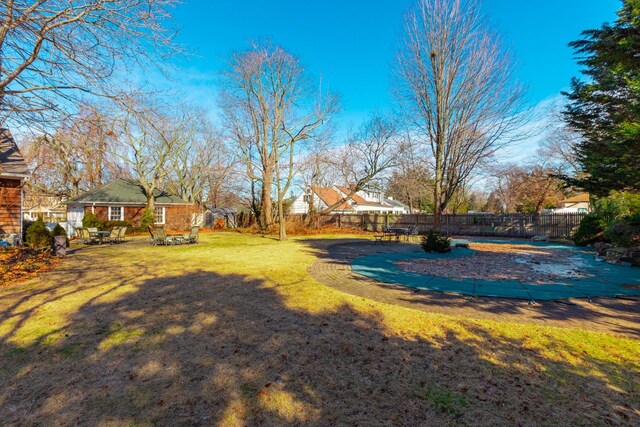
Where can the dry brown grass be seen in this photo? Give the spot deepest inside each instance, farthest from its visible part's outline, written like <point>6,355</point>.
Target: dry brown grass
<point>233,331</point>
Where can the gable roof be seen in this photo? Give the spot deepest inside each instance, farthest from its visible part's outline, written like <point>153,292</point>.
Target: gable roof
<point>330,196</point>
<point>580,198</point>
<point>12,164</point>
<point>395,203</point>
<point>124,192</point>
<point>358,199</point>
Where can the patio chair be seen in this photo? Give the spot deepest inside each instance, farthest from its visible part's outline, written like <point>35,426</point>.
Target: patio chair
<point>378,238</point>
<point>193,236</point>
<point>86,237</point>
<point>412,232</point>
<point>121,234</point>
<point>113,236</point>
<point>159,237</point>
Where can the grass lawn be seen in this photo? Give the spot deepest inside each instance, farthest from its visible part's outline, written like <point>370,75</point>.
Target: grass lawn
<point>234,331</point>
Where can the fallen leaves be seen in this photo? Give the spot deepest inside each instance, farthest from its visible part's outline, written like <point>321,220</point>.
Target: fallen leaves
<point>19,264</point>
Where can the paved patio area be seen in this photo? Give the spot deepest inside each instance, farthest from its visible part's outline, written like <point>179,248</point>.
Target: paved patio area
<point>334,268</point>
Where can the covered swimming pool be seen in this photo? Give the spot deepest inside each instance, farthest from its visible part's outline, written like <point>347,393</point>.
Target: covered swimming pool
<point>595,278</point>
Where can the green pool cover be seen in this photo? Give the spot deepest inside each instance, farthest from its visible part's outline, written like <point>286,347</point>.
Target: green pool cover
<point>603,279</point>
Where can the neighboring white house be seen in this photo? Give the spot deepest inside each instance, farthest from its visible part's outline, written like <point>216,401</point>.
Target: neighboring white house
<point>575,204</point>
<point>49,208</point>
<point>365,201</point>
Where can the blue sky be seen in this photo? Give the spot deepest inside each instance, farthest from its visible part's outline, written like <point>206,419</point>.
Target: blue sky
<point>351,43</point>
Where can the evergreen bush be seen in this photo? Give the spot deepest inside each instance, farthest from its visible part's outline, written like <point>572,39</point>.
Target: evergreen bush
<point>90,220</point>
<point>435,242</point>
<point>590,230</point>
<point>624,231</point>
<point>37,236</point>
<point>147,220</point>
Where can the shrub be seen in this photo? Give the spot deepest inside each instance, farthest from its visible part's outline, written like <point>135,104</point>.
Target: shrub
<point>624,231</point>
<point>591,230</point>
<point>38,237</point>
<point>25,226</point>
<point>90,220</point>
<point>108,225</point>
<point>435,242</point>
<point>147,219</point>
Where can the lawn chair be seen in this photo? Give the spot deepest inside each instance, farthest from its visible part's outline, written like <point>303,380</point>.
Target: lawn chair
<point>159,237</point>
<point>154,241</point>
<point>86,237</point>
<point>113,236</point>
<point>193,236</point>
<point>378,238</point>
<point>412,231</point>
<point>121,234</point>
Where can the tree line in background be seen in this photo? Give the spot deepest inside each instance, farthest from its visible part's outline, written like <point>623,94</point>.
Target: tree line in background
<point>458,106</point>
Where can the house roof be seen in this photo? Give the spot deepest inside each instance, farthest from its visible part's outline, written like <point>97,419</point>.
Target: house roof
<point>359,199</point>
<point>12,164</point>
<point>584,197</point>
<point>330,196</point>
<point>124,192</point>
<point>395,203</point>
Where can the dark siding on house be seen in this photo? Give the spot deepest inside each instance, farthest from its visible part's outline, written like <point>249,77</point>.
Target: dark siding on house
<point>10,202</point>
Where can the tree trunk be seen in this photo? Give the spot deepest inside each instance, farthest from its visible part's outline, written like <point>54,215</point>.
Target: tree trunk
<point>282,220</point>
<point>266,209</point>
<point>437,194</point>
<point>151,202</point>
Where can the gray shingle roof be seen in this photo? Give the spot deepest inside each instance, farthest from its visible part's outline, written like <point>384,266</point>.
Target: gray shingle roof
<point>124,192</point>
<point>12,164</point>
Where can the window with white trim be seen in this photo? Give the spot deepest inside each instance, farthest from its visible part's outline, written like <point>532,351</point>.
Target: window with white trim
<point>116,213</point>
<point>159,215</point>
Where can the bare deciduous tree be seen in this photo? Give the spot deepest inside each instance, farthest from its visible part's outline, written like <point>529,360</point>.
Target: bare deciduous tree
<point>271,108</point>
<point>559,148</point>
<point>149,139</point>
<point>373,150</point>
<point>527,188</point>
<point>74,158</point>
<point>203,163</point>
<point>54,51</point>
<point>411,181</point>
<point>456,87</point>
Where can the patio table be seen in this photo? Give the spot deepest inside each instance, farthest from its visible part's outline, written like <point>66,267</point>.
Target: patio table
<point>176,238</point>
<point>102,234</point>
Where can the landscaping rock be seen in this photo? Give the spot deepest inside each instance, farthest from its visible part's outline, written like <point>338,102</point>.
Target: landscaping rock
<point>601,248</point>
<point>462,245</point>
<point>625,256</point>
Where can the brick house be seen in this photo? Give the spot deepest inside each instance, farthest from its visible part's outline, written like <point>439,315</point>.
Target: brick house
<point>125,200</point>
<point>13,173</point>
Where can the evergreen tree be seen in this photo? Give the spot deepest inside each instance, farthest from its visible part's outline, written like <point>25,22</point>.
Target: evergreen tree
<point>605,109</point>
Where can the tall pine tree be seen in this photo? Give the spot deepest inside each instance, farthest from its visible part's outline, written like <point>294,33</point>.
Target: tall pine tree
<point>605,109</point>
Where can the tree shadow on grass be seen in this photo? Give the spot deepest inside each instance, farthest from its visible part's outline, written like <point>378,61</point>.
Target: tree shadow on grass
<point>210,349</point>
<point>617,315</point>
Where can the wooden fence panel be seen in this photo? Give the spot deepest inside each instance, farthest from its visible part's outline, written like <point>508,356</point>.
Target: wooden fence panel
<point>489,225</point>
